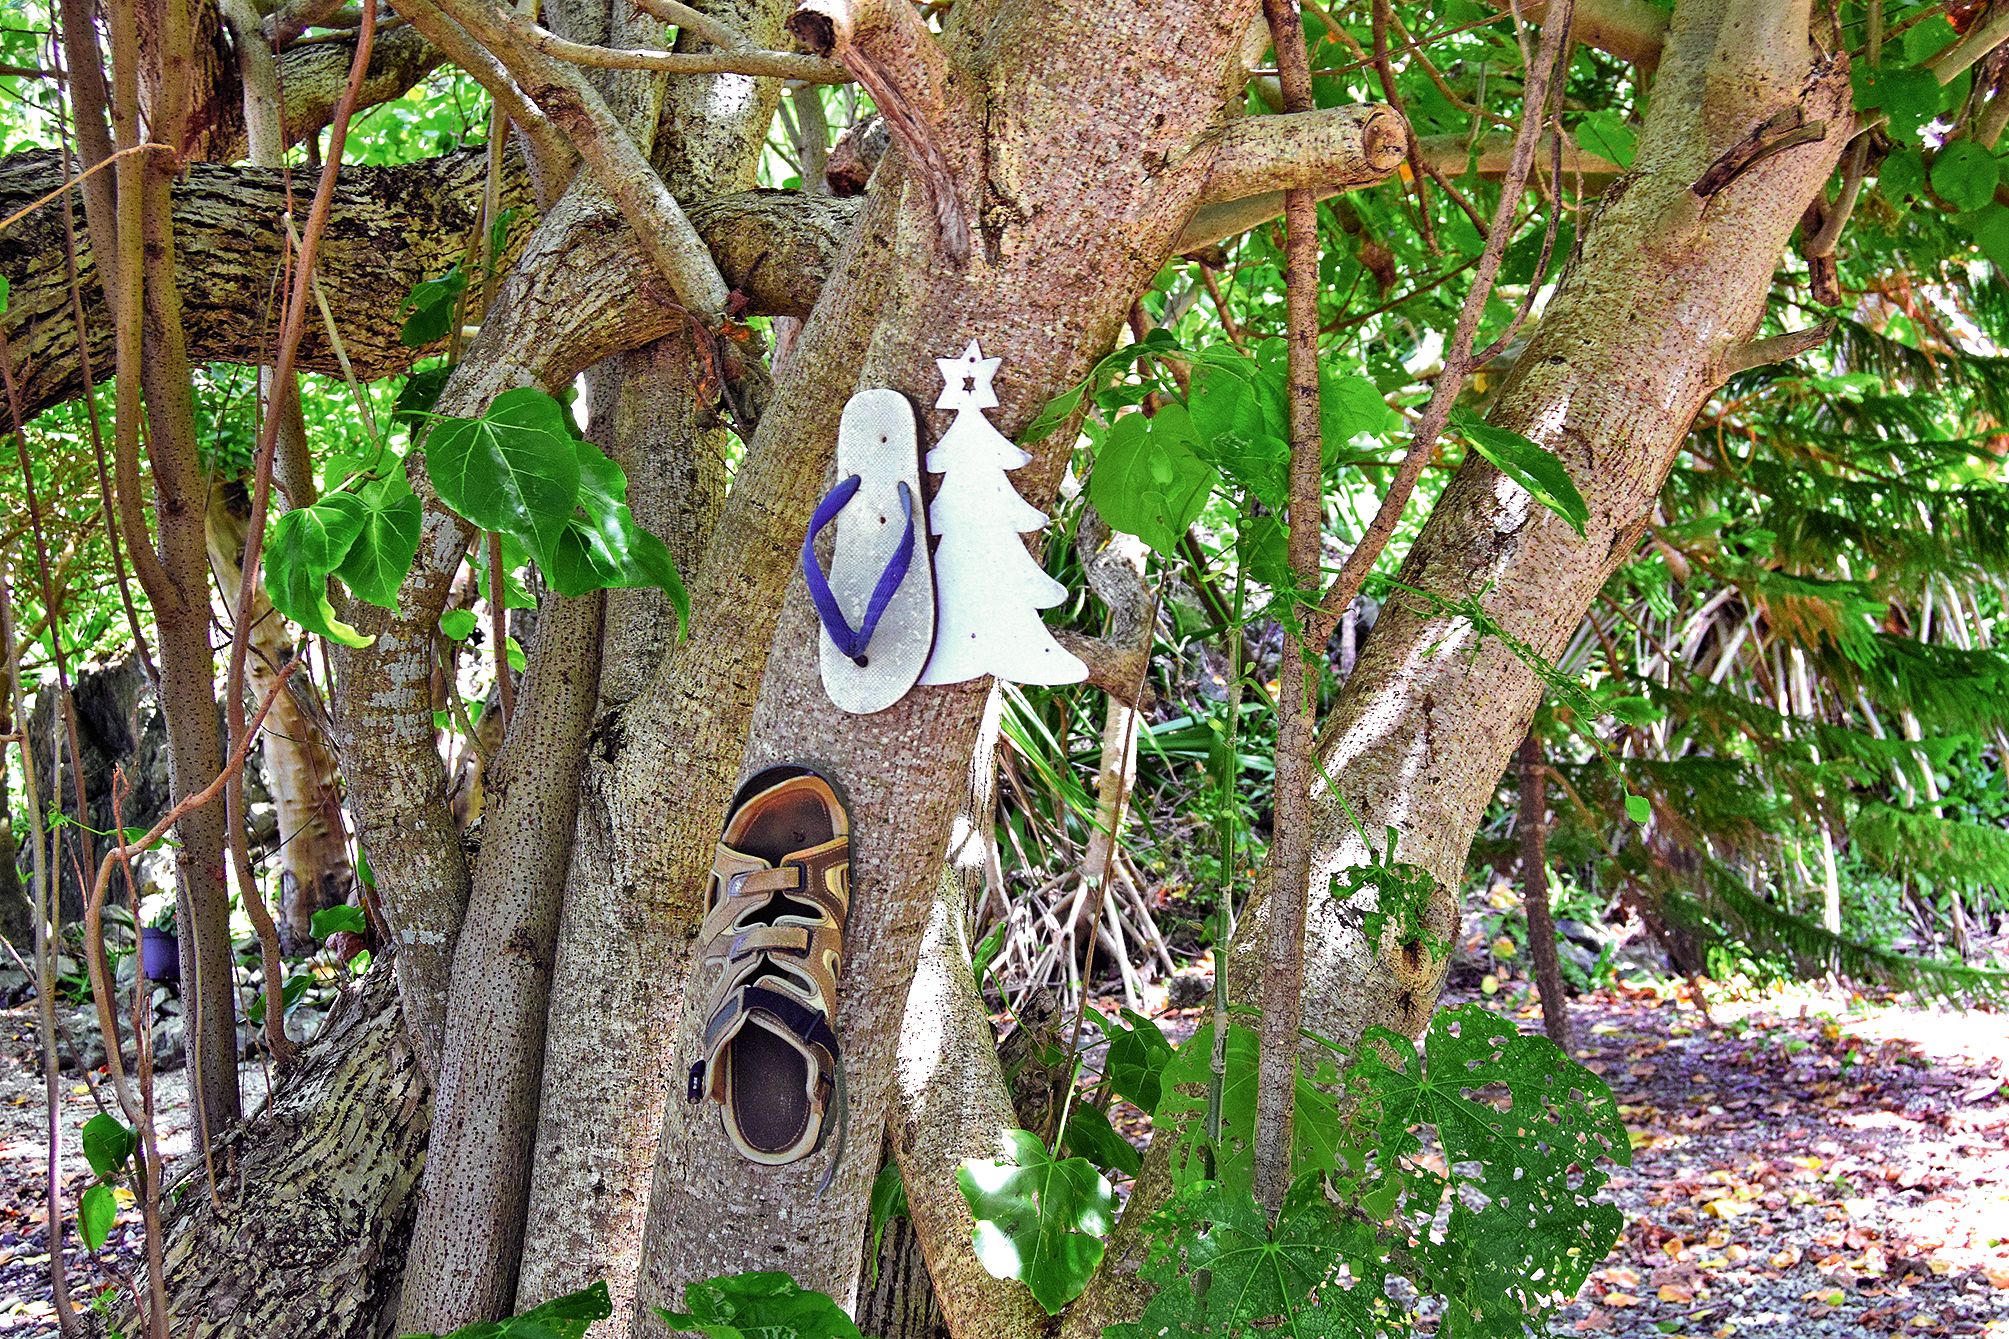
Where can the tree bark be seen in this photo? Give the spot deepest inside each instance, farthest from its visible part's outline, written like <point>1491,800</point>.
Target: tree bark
<point>1020,107</point>
<point>1533,823</point>
<point>313,1245</point>
<point>1666,288</point>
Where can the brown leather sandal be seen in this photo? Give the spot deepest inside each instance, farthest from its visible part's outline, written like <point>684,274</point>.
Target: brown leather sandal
<point>772,941</point>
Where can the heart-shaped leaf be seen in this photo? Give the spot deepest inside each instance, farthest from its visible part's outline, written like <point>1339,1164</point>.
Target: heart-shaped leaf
<point>1039,1220</point>
<point>514,469</point>
<point>305,547</point>
<point>387,515</point>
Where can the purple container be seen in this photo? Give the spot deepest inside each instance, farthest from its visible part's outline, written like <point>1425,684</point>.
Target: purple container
<point>160,954</point>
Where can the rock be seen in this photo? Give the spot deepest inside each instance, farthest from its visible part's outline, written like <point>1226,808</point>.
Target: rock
<point>1189,988</point>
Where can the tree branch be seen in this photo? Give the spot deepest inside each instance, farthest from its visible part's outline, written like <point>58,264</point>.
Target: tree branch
<point>1632,30</point>
<point>886,44</point>
<point>1338,148</point>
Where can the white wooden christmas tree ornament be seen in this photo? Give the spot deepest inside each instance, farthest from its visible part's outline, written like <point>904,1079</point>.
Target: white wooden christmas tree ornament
<point>988,589</point>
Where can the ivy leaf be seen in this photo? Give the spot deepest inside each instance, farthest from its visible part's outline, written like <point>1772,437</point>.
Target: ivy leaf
<point>1964,174</point>
<point>305,547</point>
<point>1091,1136</point>
<point>107,1144</point>
<point>766,1305</point>
<point>1532,467</point>
<point>95,1213</point>
<point>1182,1110</point>
<point>429,307</point>
<point>513,469</point>
<point>333,920</point>
<point>606,549</point>
<point>387,515</point>
<point>1039,1221</point>
<point>1147,480</point>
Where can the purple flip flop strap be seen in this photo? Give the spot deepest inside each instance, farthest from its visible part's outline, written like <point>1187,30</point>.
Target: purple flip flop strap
<point>852,642</point>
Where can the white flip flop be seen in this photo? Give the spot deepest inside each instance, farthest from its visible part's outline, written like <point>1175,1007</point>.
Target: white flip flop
<point>877,606</point>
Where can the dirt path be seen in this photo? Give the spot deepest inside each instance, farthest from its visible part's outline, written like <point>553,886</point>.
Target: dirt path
<point>1824,1174</point>
<point>25,1308</point>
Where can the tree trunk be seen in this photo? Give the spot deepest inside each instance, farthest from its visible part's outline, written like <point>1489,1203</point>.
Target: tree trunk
<point>1070,232</point>
<point>312,1246</point>
<point>1656,308</point>
<point>1533,823</point>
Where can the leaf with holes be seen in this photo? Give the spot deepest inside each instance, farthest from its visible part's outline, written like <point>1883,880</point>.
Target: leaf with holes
<point>305,547</point>
<point>1532,467</point>
<point>1039,1220</point>
<point>514,469</point>
<point>765,1305</point>
<point>1220,1269</point>
<point>1523,1132</point>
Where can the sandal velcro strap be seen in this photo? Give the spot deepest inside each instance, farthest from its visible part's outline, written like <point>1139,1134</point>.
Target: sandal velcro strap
<point>772,942</point>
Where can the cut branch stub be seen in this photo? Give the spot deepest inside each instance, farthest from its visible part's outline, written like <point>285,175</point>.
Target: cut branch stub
<point>1339,148</point>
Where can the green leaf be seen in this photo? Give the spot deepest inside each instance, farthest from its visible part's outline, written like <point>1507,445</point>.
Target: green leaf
<point>95,1214</point>
<point>566,1317</point>
<point>418,395</point>
<point>1902,174</point>
<point>1908,95</point>
<point>513,469</point>
<point>1524,1132</point>
<point>1964,174</point>
<point>889,1201</point>
<point>1606,134</point>
<point>429,308</point>
<point>1638,808</point>
<point>1991,233</point>
<point>4,290</point>
<point>1137,1056</point>
<point>1529,465</point>
<point>305,547</point>
<point>387,516</point>
<point>986,953</point>
<point>1350,407</point>
<point>1039,1221</point>
<point>459,624</point>
<point>1219,1268</point>
<point>512,651</point>
<point>1237,410</point>
<point>334,920</point>
<point>1090,1135</point>
<point>107,1144</point>
<point>767,1305</point>
<point>1156,342</point>
<point>1147,480</point>
<point>606,548</point>
<point>1182,1110</point>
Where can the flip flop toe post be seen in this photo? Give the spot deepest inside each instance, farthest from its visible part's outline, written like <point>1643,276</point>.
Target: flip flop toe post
<point>773,942</point>
<point>877,605</point>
